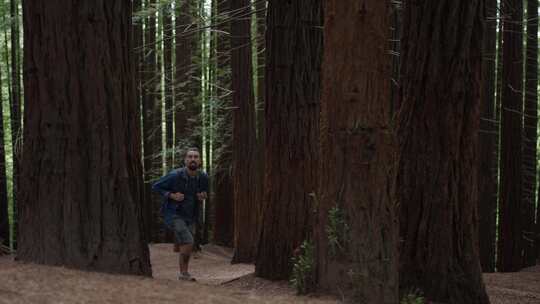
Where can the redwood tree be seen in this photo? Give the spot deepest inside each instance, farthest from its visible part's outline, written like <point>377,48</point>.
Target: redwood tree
<point>438,128</point>
<point>356,233</point>
<point>185,96</point>
<point>4,215</point>
<point>487,181</point>
<point>510,242</point>
<point>244,157</point>
<point>16,135</point>
<point>294,53</point>
<point>169,72</point>
<point>530,134</point>
<point>80,200</point>
<point>224,198</point>
<point>148,75</point>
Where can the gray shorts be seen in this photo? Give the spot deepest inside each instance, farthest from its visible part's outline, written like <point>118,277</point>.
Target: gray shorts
<point>182,231</point>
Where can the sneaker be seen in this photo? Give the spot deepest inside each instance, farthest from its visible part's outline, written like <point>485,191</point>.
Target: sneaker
<point>186,277</point>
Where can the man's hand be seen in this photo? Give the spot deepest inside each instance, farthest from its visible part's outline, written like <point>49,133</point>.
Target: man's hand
<point>202,196</point>
<point>176,196</point>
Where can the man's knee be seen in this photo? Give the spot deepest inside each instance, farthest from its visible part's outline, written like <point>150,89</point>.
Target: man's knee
<point>185,257</point>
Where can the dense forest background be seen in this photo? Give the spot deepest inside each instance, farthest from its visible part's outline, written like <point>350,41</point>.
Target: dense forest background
<point>312,132</point>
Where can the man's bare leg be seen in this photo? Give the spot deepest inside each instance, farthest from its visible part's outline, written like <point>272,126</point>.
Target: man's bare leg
<point>185,254</point>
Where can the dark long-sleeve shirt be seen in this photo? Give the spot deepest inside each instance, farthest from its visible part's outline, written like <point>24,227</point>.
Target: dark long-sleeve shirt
<point>179,180</point>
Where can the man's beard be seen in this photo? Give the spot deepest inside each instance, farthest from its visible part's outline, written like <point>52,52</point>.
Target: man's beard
<point>193,166</point>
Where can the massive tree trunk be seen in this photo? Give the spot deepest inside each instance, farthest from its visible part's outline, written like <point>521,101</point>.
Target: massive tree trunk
<point>487,182</point>
<point>438,129</point>
<point>244,158</point>
<point>148,76</point>
<point>530,132</point>
<point>294,40</point>
<point>4,214</point>
<point>224,199</point>
<point>169,72</point>
<point>16,135</point>
<point>357,233</point>
<point>510,247</point>
<point>80,200</point>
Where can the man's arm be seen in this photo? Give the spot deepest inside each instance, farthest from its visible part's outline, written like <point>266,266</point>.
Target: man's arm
<point>202,194</point>
<point>164,186</point>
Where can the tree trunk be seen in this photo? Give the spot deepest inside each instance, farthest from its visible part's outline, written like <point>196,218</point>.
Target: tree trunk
<point>510,247</point>
<point>438,129</point>
<point>196,88</point>
<point>80,199</point>
<point>157,112</point>
<point>244,159</point>
<point>138,55</point>
<point>16,135</point>
<point>530,132</point>
<point>395,52</point>
<point>169,72</point>
<point>356,233</point>
<point>8,76</point>
<point>224,201</point>
<point>260,81</point>
<point>294,40</point>
<point>487,182</point>
<point>185,94</point>
<point>356,229</point>
<point>148,76</point>
<point>4,214</point>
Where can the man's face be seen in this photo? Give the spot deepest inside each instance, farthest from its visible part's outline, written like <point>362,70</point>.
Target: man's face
<point>193,160</point>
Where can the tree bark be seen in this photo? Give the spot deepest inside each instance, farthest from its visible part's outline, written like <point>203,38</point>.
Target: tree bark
<point>244,160</point>
<point>530,138</point>
<point>224,200</point>
<point>487,182</point>
<point>356,233</point>
<point>294,40</point>
<point>169,73</point>
<point>138,55</point>
<point>185,95</point>
<point>16,135</point>
<point>80,199</point>
<point>149,73</point>
<point>197,130</point>
<point>4,202</point>
<point>395,51</point>
<point>510,244</point>
<point>260,81</point>
<point>438,129</point>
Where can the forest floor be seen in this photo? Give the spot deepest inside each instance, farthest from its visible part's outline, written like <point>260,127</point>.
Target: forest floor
<point>218,282</point>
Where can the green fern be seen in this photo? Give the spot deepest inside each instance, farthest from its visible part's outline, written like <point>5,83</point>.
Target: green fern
<point>303,273</point>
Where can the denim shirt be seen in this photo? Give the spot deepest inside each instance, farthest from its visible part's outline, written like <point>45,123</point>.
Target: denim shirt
<point>178,180</point>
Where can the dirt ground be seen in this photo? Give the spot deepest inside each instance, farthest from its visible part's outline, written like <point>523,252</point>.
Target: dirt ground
<point>218,282</point>
<point>518,287</point>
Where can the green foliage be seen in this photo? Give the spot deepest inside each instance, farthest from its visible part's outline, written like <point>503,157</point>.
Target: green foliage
<point>336,230</point>
<point>303,273</point>
<point>413,296</point>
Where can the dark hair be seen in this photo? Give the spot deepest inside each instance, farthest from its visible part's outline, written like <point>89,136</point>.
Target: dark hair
<point>192,149</point>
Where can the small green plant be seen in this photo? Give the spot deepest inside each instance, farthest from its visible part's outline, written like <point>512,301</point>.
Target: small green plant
<point>413,296</point>
<point>303,273</point>
<point>337,230</point>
